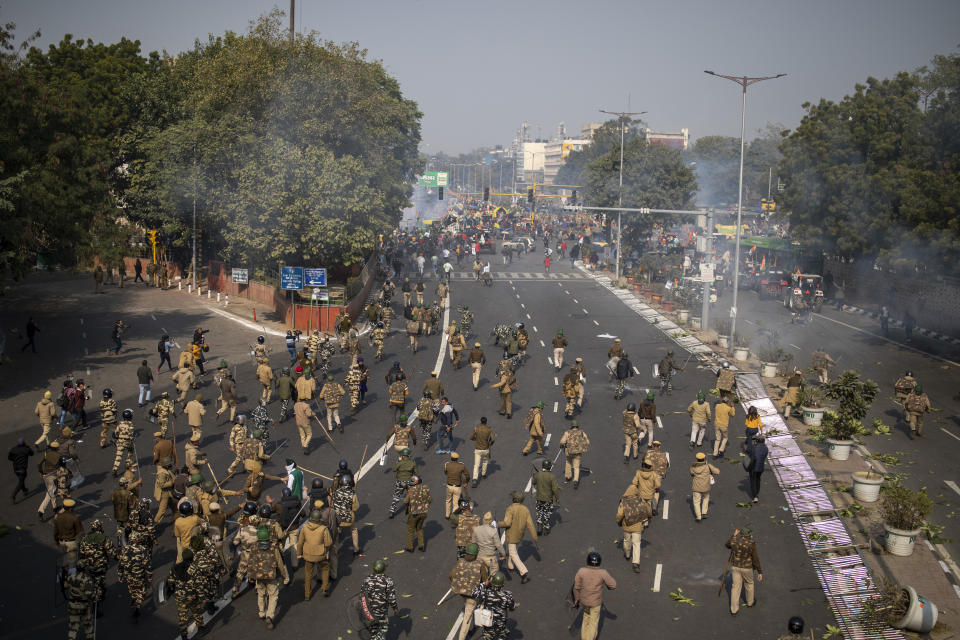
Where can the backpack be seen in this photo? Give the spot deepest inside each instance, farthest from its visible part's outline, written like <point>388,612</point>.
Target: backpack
<point>64,400</point>
<point>160,346</point>
<point>263,565</point>
<point>634,510</point>
<point>915,403</point>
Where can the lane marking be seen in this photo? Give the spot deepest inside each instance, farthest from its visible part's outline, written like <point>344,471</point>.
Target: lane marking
<point>518,296</point>
<point>528,316</point>
<point>546,442</point>
<point>660,424</point>
<point>154,317</point>
<point>795,346</point>
<point>529,484</point>
<point>749,321</point>
<point>81,321</point>
<point>893,342</point>
<point>88,371</point>
<point>949,434</point>
<point>636,371</point>
<point>666,509</point>
<point>596,323</point>
<point>523,306</point>
<point>952,485</point>
<point>668,457</point>
<point>565,291</point>
<point>584,310</point>
<point>541,344</point>
<point>84,334</point>
<point>550,360</point>
<point>455,631</point>
<point>555,404</point>
<point>535,330</point>
<point>575,301</point>
<point>555,381</point>
<point>86,351</point>
<point>656,580</point>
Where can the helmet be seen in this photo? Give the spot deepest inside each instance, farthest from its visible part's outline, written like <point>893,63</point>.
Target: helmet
<point>257,433</point>
<point>285,492</point>
<point>539,405</point>
<point>669,353</point>
<point>66,432</point>
<point>405,451</point>
<point>398,377</point>
<point>185,508</point>
<point>426,393</point>
<point>593,559</point>
<point>546,465</point>
<point>575,424</point>
<point>519,325</point>
<point>497,580</point>
<point>403,417</point>
<point>918,388</point>
<point>166,462</point>
<point>795,625</point>
<point>346,479</point>
<point>316,484</point>
<point>316,515</point>
<point>465,504</point>
<point>260,339</point>
<point>108,393</point>
<point>631,407</point>
<point>265,511</point>
<point>396,364</point>
<point>165,395</point>
<point>285,371</point>
<point>96,525</point>
<point>906,373</point>
<point>559,332</point>
<point>517,496</point>
<point>342,465</point>
<point>241,419</point>
<point>196,479</point>
<point>209,486</point>
<point>224,364</point>
<point>472,549</point>
<point>379,566</point>
<point>63,461</point>
<point>128,414</point>
<point>379,325</point>
<point>701,396</point>
<point>725,364</point>
<point>250,508</point>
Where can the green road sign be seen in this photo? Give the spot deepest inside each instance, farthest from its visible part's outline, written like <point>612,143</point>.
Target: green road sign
<point>434,179</point>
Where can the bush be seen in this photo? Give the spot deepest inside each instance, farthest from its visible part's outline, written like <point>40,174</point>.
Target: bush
<point>854,397</point>
<point>353,288</point>
<point>904,508</point>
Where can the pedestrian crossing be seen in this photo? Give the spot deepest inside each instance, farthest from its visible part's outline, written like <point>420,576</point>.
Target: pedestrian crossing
<point>522,275</point>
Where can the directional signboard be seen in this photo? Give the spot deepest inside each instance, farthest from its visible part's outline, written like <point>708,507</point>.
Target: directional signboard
<point>240,276</point>
<point>291,278</point>
<point>314,277</point>
<point>434,179</point>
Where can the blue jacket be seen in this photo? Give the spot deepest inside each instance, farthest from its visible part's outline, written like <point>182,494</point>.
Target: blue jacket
<point>759,458</point>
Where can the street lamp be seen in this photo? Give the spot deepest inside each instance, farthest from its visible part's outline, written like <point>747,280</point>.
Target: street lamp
<point>623,116</point>
<point>744,82</point>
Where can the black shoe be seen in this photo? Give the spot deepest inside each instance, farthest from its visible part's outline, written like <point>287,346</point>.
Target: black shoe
<point>523,453</point>
<point>546,531</point>
<point>474,484</point>
<point>326,593</point>
<point>306,451</point>
<point>509,416</point>
<point>525,578</point>
<point>358,554</point>
<point>539,531</point>
<point>636,568</point>
<point>136,613</point>
<point>653,511</point>
<point>576,484</point>
<point>270,620</point>
<point>626,459</point>
<point>392,514</point>
<point>409,550</point>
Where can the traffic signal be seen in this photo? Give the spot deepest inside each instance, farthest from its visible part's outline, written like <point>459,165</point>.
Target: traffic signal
<point>440,193</point>
<point>486,194</point>
<point>530,195</point>
<point>573,198</point>
<point>153,237</point>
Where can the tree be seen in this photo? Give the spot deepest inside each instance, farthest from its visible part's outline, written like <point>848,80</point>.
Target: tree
<point>717,161</point>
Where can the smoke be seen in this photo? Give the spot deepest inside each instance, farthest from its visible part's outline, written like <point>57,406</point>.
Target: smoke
<point>426,206</point>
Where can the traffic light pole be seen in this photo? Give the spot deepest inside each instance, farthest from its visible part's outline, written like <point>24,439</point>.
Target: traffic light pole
<point>623,116</point>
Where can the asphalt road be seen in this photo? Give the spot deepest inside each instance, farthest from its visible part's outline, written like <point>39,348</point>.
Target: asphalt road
<point>678,553</point>
<point>856,342</point>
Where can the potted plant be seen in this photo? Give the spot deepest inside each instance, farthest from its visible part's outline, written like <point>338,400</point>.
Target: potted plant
<point>741,348</point>
<point>682,316</point>
<point>904,511</point>
<point>866,485</point>
<point>695,322</point>
<point>854,397</point>
<point>772,356</point>
<point>901,608</point>
<point>723,333</point>
<point>810,401</point>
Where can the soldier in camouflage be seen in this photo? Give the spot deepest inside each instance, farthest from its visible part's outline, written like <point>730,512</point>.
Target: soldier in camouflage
<point>205,571</point>
<point>500,602</point>
<point>356,378</point>
<point>142,524</point>
<point>345,505</point>
<point>108,417</point>
<point>468,574</point>
<point>457,344</point>
<point>332,394</point>
<point>177,584</point>
<point>378,335</point>
<point>164,411</point>
<point>266,568</point>
<point>377,595</point>
<point>632,430</point>
<point>124,439</point>
<point>465,522</point>
<point>261,421</point>
<point>238,435</point>
<point>426,416</point>
<point>405,469</point>
<point>80,589</point>
<point>135,569</point>
<point>418,501</point>
<point>96,550</point>
<point>569,388</point>
<point>246,539</point>
<point>743,561</point>
<point>62,477</point>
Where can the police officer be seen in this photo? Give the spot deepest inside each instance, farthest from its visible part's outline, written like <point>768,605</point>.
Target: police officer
<point>379,594</point>
<point>700,415</point>
<point>476,359</point>
<point>666,369</point>
<point>465,577</point>
<point>631,432</point>
<point>743,562</point>
<point>576,443</point>
<point>404,470</point>
<point>547,495</point>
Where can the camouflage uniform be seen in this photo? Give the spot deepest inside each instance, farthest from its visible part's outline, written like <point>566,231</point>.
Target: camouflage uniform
<point>95,551</point>
<point>108,420</point>
<point>463,535</point>
<point>379,594</point>
<point>743,561</point>
<point>177,583</point>
<point>569,389</point>
<point>238,434</point>
<point>667,367</point>
<point>378,336</point>
<point>260,354</point>
<point>81,594</point>
<point>418,502</point>
<point>345,506</point>
<point>353,381</point>
<point>247,539</point>
<point>124,441</point>
<point>164,411</point>
<point>205,570</point>
<point>388,315</point>
<point>267,567</point>
<point>404,468</point>
<point>499,601</point>
<point>398,398</point>
<point>142,524</point>
<point>332,395</point>
<point>62,478</point>
<point>261,422</point>
<point>135,569</point>
<point>426,416</point>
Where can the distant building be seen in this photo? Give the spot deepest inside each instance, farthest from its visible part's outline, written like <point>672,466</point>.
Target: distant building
<point>530,159</point>
<point>678,140</point>
<point>555,154</point>
<point>586,131</point>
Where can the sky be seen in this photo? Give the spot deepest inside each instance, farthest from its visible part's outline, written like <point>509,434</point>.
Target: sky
<point>480,69</point>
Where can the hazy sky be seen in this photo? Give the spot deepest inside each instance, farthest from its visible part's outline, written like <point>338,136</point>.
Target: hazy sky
<point>479,69</point>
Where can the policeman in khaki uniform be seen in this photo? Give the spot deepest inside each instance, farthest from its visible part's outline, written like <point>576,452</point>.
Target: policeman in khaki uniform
<point>569,388</point>
<point>702,473</point>
<point>700,415</point>
<point>184,379</point>
<point>465,577</point>
<point>903,387</point>
<point>238,434</point>
<point>743,561</point>
<point>916,404</point>
<point>193,458</point>
<point>792,395</point>
<point>332,393</point>
<point>517,521</point>
<point>195,413</point>
<point>580,378</point>
<point>483,439</point>
<point>302,414</point>
<point>265,376</point>
<point>457,476</point>
<point>821,362</point>
<point>576,444</point>
<point>163,489</point>
<point>631,432</point>
<point>534,424</point>
<point>647,482</point>
<point>633,514</point>
<point>476,359</point>
<point>721,423</point>
<point>559,346</point>
<point>457,344</point>
<point>46,410</point>
<point>418,501</point>
<point>507,385</point>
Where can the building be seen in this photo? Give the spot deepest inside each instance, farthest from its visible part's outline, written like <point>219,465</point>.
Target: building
<point>555,154</point>
<point>678,140</point>
<point>586,131</point>
<point>530,159</point>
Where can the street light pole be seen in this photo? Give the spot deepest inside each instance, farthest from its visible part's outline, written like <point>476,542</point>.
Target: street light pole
<point>744,82</point>
<point>623,116</point>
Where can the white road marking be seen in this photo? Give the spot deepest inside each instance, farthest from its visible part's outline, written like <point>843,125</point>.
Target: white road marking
<point>529,484</point>
<point>546,442</point>
<point>795,346</point>
<point>584,310</point>
<point>555,381</point>
<point>555,405</point>
<point>81,321</point>
<point>636,371</point>
<point>88,370</point>
<point>749,321</point>
<point>956,590</point>
<point>541,344</point>
<point>518,296</point>
<point>949,434</point>
<point>84,334</point>
<point>668,457</point>
<point>550,360</point>
<point>659,422</point>
<point>656,581</point>
<point>535,330</point>
<point>596,323</point>
<point>666,509</point>
<point>575,301</point>
<point>528,316</point>
<point>561,286</point>
<point>952,485</point>
<point>86,351</point>
<point>455,631</point>
<point>565,291</point>
<point>523,306</point>
<point>154,317</point>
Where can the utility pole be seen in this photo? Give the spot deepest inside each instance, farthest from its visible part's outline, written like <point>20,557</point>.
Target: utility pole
<point>707,257</point>
<point>292,12</point>
<point>623,117</point>
<point>744,82</point>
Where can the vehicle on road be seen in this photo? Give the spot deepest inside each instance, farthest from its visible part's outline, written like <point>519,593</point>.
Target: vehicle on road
<point>515,245</point>
<point>771,283</point>
<point>806,288</point>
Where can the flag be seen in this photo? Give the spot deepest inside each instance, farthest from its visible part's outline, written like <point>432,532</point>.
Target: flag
<point>753,249</point>
<point>763,263</point>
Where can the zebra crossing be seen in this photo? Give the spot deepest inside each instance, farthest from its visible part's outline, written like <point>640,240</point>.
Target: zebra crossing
<point>522,275</point>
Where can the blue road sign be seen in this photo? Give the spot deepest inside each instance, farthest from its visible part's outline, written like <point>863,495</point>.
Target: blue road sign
<point>314,277</point>
<point>291,278</point>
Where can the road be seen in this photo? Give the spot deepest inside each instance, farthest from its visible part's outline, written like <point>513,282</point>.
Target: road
<point>855,342</point>
<point>678,553</point>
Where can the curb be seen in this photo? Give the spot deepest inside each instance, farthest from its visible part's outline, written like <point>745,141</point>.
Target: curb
<point>929,333</point>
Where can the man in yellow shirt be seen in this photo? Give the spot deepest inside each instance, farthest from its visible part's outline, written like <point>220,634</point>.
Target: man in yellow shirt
<point>721,422</point>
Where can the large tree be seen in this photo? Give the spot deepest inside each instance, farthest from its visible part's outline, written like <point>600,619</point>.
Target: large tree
<point>717,166</point>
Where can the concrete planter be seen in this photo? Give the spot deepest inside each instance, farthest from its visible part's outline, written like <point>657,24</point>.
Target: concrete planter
<point>723,341</point>
<point>668,305</point>
<point>898,541</point>
<point>812,416</point>
<point>921,616</point>
<point>656,298</point>
<point>839,449</point>
<point>741,354</point>
<point>682,316</point>
<point>768,369</point>
<point>695,322</point>
<point>866,486</point>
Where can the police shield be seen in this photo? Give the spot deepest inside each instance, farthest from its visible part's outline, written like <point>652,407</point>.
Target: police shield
<point>74,467</point>
<point>358,617</point>
<point>656,370</point>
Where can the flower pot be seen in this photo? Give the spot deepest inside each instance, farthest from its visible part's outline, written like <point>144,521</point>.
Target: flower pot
<point>656,297</point>
<point>695,322</point>
<point>630,279</point>
<point>768,369</point>
<point>839,449</point>
<point>682,316</point>
<point>921,616</point>
<point>723,341</point>
<point>647,293</point>
<point>866,486</point>
<point>812,416</point>
<point>668,305</point>
<point>898,541</point>
<point>637,287</point>
<point>741,354</point>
